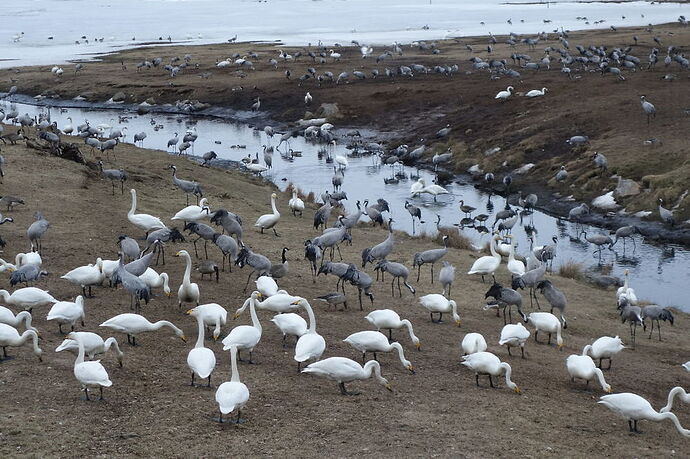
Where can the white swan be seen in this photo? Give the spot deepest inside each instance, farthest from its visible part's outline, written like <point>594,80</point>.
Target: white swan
<point>513,335</point>
<point>583,367</point>
<point>68,312</point>
<point>389,319</point>
<point>485,363</point>
<point>201,360</point>
<point>4,266</point>
<point>310,345</point>
<point>188,291</point>
<point>86,276</point>
<point>245,336</point>
<point>296,204</point>
<point>266,286</point>
<point>604,348</point>
<point>341,160</point>
<point>422,188</point>
<point>256,168</point>
<point>269,221</point>
<point>93,345</point>
<point>374,341</point>
<point>29,258</point>
<point>437,303</point>
<point>503,95</point>
<point>676,391</point>
<point>145,222</point>
<point>472,343</point>
<point>546,322</point>
<point>212,314</point>
<point>626,290</point>
<point>232,395</point>
<point>109,267</point>
<point>27,298</point>
<point>343,370</point>
<point>486,265</point>
<point>536,92</point>
<point>290,324</point>
<point>8,317</point>
<point>135,324</point>
<point>635,408</point>
<point>686,365</point>
<point>280,302</point>
<point>155,280</point>
<point>9,337</point>
<point>515,267</point>
<point>89,373</point>
<point>194,213</point>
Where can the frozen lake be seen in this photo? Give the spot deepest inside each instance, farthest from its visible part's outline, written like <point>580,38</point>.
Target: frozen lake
<point>46,31</point>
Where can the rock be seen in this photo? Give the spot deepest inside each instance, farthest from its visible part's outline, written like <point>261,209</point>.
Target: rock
<point>524,169</point>
<point>626,187</point>
<point>492,151</point>
<point>475,170</point>
<point>150,101</point>
<point>118,97</point>
<point>329,111</point>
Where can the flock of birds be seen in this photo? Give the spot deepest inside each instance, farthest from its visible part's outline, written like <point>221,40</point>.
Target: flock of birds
<point>134,272</point>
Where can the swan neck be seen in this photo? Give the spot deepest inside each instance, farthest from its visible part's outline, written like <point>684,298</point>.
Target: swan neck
<point>255,319</point>
<point>401,353</point>
<point>492,248</point>
<point>408,324</point>
<point>200,338</point>
<point>671,396</point>
<point>134,204</point>
<point>674,419</point>
<point>312,318</point>
<point>508,373</point>
<point>586,349</point>
<point>600,377</point>
<point>187,271</point>
<point>112,342</point>
<point>80,343</point>
<point>273,206</point>
<point>235,375</point>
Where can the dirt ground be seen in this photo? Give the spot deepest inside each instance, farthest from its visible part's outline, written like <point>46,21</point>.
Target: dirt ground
<point>527,130</point>
<point>152,411</point>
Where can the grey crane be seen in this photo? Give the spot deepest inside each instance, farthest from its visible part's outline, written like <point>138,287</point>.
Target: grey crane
<point>129,247</point>
<point>281,270</point>
<point>665,214</point>
<point>429,257</point>
<point>600,161</point>
<point>547,253</point>
<point>381,250</point>
<point>115,175</point>
<point>331,238</point>
<point>446,277</point>
<point>600,240</point>
<point>163,235</point>
<point>37,230</point>
<point>312,252</point>
<point>187,186</point>
<point>349,221</point>
<point>228,246</point>
<point>528,202</point>
<point>415,212</point>
<point>625,232</point>
<point>173,142</point>
<point>26,273</point>
<point>655,312</point>
<point>398,271</point>
<point>530,280</point>
<point>648,108</point>
<point>337,179</point>
<point>259,263</point>
<point>334,299</point>
<point>322,215</point>
<point>374,212</point>
<point>555,297</point>
<point>562,174</point>
<point>337,269</point>
<point>204,232</point>
<point>208,157</point>
<point>631,314</point>
<point>507,298</point>
<point>578,211</point>
<point>139,138</point>
<point>136,287</point>
<point>362,281</point>
<point>141,264</point>
<point>10,201</point>
<point>231,223</point>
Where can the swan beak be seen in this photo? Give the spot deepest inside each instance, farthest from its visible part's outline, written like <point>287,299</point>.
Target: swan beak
<point>411,369</point>
<point>177,254</point>
<point>418,346</point>
<point>168,294</point>
<point>295,303</point>
<point>457,322</point>
<point>235,316</point>
<point>560,347</point>
<point>609,389</point>
<point>189,311</point>
<point>517,390</point>
<point>389,387</point>
<point>183,338</point>
<point>215,337</point>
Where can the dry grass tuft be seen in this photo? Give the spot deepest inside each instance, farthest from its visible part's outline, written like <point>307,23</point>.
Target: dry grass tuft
<point>455,239</point>
<point>571,270</point>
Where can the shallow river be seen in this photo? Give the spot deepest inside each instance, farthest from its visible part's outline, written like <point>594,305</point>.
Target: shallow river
<point>656,273</point>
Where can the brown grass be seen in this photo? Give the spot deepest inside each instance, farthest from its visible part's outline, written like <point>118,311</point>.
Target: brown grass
<point>455,239</point>
<point>572,270</point>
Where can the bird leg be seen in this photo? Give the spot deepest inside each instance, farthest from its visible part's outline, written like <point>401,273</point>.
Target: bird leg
<point>192,383</point>
<point>399,291</point>
<point>364,358</point>
<point>419,271</point>
<point>535,336</point>
<point>101,388</point>
<point>344,391</point>
<point>86,392</point>
<point>491,381</point>
<point>509,352</point>
<point>522,350</point>
<point>549,341</point>
<point>476,378</point>
<point>209,381</point>
<point>205,250</point>
<point>275,232</point>
<point>432,273</point>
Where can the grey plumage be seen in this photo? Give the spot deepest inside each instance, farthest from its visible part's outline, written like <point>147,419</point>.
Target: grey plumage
<point>228,246</point>
<point>26,274</point>
<point>625,232</point>
<point>334,299</point>
<point>259,263</point>
<point>37,230</point>
<point>187,186</point>
<point>362,281</point>
<point>231,223</point>
<point>632,315</point>
<point>163,235</point>
<point>129,247</point>
<point>530,280</point>
<point>208,157</point>
<point>397,271</point>
<point>322,215</point>
<point>312,252</point>
<point>136,287</point>
<point>337,269</point>
<point>114,175</point>
<point>665,214</point>
<point>655,312</point>
<point>382,250</point>
<point>429,257</point>
<point>331,238</point>
<point>446,277</point>
<point>600,240</point>
<point>140,265</point>
<point>507,297</point>
<point>280,270</point>
<point>555,297</point>
<point>374,212</point>
<point>204,232</point>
